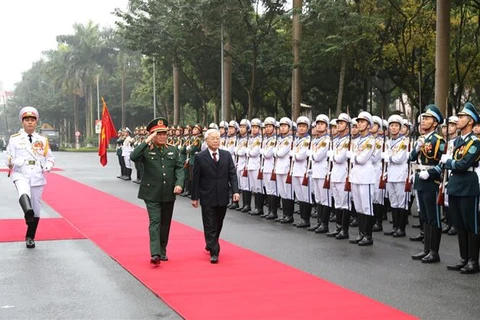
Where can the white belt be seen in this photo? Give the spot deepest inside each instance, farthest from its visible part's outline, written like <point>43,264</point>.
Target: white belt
<point>422,167</point>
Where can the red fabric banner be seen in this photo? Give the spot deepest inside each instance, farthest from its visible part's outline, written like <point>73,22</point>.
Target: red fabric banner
<point>108,132</point>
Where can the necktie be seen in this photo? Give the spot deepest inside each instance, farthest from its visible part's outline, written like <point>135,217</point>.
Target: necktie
<point>30,138</point>
<point>214,156</point>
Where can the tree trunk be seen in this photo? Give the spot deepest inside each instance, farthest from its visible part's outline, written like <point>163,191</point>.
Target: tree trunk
<point>122,92</point>
<point>296,77</point>
<point>341,85</point>
<point>442,50</point>
<point>251,90</point>
<point>176,93</point>
<point>227,81</point>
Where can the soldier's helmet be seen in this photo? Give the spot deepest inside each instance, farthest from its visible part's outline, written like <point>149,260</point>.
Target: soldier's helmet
<point>223,124</point>
<point>212,126</point>
<point>333,122</point>
<point>277,124</point>
<point>28,112</point>
<point>294,125</point>
<point>385,124</point>
<point>198,126</point>
<point>406,123</point>
<point>395,118</point>
<point>256,122</point>
<point>344,117</point>
<point>453,119</point>
<point>246,123</point>
<point>304,120</point>
<point>354,122</point>
<point>322,118</point>
<point>270,120</point>
<point>286,120</point>
<point>365,116</point>
<point>377,120</point>
<point>234,124</point>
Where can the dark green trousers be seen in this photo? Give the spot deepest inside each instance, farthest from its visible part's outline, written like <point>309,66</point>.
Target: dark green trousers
<point>160,219</point>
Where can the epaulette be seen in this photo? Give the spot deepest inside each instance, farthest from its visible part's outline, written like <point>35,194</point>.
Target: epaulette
<point>14,135</point>
<point>474,137</point>
<point>171,145</point>
<point>439,137</point>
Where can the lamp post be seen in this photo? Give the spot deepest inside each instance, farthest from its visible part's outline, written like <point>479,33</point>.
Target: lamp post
<point>5,112</point>
<point>98,98</point>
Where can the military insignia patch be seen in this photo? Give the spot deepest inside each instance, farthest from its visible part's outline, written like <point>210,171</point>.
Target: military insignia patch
<point>378,145</point>
<point>403,146</point>
<point>323,144</point>
<point>428,146</point>
<point>305,144</point>
<point>368,146</point>
<point>472,150</point>
<point>285,142</point>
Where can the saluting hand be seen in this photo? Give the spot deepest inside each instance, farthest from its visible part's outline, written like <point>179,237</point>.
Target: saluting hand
<point>150,137</point>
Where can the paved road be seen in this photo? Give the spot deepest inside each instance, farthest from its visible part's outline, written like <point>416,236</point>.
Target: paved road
<point>383,272</point>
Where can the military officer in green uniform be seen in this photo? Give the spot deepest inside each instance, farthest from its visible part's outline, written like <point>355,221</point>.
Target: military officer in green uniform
<point>194,147</point>
<point>427,152</point>
<point>162,180</point>
<point>463,190</point>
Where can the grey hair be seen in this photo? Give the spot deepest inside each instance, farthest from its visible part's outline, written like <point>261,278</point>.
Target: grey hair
<point>209,132</point>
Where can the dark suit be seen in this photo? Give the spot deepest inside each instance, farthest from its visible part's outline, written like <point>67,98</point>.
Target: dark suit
<point>210,184</point>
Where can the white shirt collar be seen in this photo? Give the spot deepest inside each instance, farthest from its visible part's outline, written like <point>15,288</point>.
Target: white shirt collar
<point>217,153</point>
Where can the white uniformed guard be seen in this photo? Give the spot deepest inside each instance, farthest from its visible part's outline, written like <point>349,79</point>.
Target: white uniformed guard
<point>300,156</point>
<point>29,157</point>
<point>320,168</point>
<point>241,153</point>
<point>338,177</point>
<point>268,150</point>
<point>396,155</point>
<point>253,165</point>
<point>230,146</point>
<point>282,167</point>
<point>127,149</point>
<point>362,179</point>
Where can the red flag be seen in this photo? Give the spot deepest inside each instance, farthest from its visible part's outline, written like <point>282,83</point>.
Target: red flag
<point>108,132</point>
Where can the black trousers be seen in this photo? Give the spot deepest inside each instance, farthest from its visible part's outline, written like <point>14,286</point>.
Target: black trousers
<point>464,213</point>
<point>430,211</point>
<point>212,218</point>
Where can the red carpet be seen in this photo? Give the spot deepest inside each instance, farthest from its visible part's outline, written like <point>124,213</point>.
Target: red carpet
<point>244,285</point>
<point>6,170</point>
<point>49,229</point>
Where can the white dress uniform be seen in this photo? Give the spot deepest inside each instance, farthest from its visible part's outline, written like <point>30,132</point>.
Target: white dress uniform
<point>253,163</point>
<point>378,194</point>
<point>320,146</point>
<point>30,160</point>
<point>397,172</point>
<point>361,176</point>
<point>282,166</point>
<point>269,145</point>
<point>126,150</point>
<point>339,172</point>
<point>241,154</point>
<point>230,144</point>
<point>299,156</point>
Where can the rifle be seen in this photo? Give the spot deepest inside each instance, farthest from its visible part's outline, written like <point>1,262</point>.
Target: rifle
<point>289,174</point>
<point>245,168</point>
<point>383,179</point>
<point>326,182</point>
<point>186,165</point>
<point>9,164</point>
<point>348,185</point>
<point>262,161</point>
<point>441,187</point>
<point>309,163</point>
<point>408,183</point>
<point>273,177</point>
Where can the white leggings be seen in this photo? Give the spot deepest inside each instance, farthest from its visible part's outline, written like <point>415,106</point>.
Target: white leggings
<point>35,194</point>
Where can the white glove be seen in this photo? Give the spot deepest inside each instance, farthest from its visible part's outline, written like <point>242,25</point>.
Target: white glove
<point>48,167</point>
<point>188,148</point>
<point>291,153</point>
<point>309,153</point>
<point>350,154</point>
<point>261,152</point>
<point>420,142</point>
<point>330,154</point>
<point>19,161</point>
<point>386,157</point>
<point>445,157</point>
<point>423,175</point>
<point>247,151</point>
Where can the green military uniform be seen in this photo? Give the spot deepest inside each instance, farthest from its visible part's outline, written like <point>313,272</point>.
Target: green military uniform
<point>463,195</point>
<point>163,170</point>
<point>427,182</point>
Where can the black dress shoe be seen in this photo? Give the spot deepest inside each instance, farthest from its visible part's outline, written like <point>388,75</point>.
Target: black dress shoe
<point>390,233</point>
<point>287,220</point>
<point>234,206</point>
<point>155,259</point>
<point>458,266</point>
<point>399,234</point>
<point>30,243</point>
<point>366,241</point>
<point>322,229</point>
<point>452,231</point>
<point>419,256</point>
<point>356,240</point>
<point>342,235</point>
<point>303,224</point>
<point>279,219</point>
<point>417,238</point>
<point>271,216</point>
<point>256,212</point>
<point>377,227</point>
<point>470,268</point>
<point>432,257</point>
<point>354,223</point>
<point>314,227</point>
<point>214,259</point>
<point>246,209</point>
<point>163,257</point>
<point>446,229</point>
<point>266,214</point>
<point>416,226</point>
<point>333,234</point>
